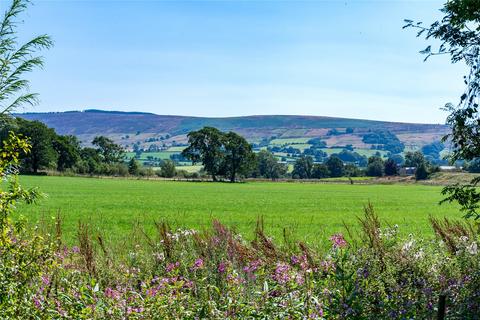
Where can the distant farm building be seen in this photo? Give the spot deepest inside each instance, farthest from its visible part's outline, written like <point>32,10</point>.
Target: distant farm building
<point>407,171</point>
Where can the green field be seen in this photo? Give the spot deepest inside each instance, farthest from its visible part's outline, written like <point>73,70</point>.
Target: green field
<point>311,211</point>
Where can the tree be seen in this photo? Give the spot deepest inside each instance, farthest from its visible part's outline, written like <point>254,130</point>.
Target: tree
<point>390,167</point>
<point>205,146</point>
<point>474,166</point>
<point>109,151</point>
<point>397,158</point>
<point>421,173</point>
<point>238,155</point>
<point>42,155</point>
<point>335,166</point>
<point>459,34</point>
<point>351,170</point>
<point>68,151</point>
<point>320,171</point>
<point>268,165</point>
<point>133,167</point>
<point>302,169</point>
<point>167,169</point>
<point>414,159</point>
<point>375,167</point>
<point>90,160</point>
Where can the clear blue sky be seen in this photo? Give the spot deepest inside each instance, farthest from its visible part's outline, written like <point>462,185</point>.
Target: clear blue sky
<point>347,58</point>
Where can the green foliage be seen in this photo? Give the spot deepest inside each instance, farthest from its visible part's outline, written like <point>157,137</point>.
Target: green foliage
<point>17,60</point>
<point>302,169</point>
<point>459,35</point>
<point>391,167</point>
<point>133,167</point>
<point>268,166</point>
<point>217,274</point>
<point>109,151</point>
<point>42,154</point>
<point>474,166</point>
<point>433,149</point>
<point>227,154</point>
<point>320,171</point>
<point>422,172</point>
<point>205,146</point>
<point>335,166</point>
<point>238,155</point>
<point>167,169</point>
<point>385,140</point>
<point>68,151</point>
<point>375,167</point>
<point>414,159</point>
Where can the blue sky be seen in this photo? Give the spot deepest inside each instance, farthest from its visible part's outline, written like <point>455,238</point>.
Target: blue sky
<point>228,58</point>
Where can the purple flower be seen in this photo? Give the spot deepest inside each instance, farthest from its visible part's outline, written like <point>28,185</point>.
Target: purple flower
<point>338,241</point>
<point>198,264</point>
<point>221,267</point>
<point>281,274</point>
<point>37,302</point>
<point>172,266</point>
<point>75,249</point>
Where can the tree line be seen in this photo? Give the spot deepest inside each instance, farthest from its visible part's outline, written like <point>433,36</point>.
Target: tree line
<point>224,155</point>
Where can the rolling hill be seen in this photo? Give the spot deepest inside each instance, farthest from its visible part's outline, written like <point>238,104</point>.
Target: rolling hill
<point>128,128</point>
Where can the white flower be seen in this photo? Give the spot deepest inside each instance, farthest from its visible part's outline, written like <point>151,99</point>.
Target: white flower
<point>419,254</point>
<point>472,248</point>
<point>408,245</point>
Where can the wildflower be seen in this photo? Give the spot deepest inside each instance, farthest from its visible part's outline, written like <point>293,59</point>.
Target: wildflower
<point>112,294</point>
<point>75,249</point>
<point>45,280</point>
<point>159,256</point>
<point>37,302</point>
<point>408,245</point>
<point>198,264</point>
<point>281,274</point>
<point>253,266</point>
<point>338,241</point>
<point>221,267</point>
<point>299,279</point>
<point>172,266</point>
<point>472,248</point>
<point>419,254</point>
<point>327,265</point>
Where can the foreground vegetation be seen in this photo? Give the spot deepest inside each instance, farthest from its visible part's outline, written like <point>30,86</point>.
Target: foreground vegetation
<point>217,274</point>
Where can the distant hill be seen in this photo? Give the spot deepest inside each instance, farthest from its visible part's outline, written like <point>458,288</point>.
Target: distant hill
<point>144,128</point>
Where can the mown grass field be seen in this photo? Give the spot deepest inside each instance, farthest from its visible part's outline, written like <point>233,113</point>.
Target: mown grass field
<point>309,211</point>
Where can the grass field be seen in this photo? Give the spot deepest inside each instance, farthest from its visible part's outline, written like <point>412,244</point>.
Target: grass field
<point>310,211</point>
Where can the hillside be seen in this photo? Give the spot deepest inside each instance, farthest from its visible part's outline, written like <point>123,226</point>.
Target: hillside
<point>128,128</point>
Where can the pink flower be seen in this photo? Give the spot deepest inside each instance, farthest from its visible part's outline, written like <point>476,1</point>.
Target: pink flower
<point>37,302</point>
<point>172,266</point>
<point>338,241</point>
<point>282,273</point>
<point>45,280</point>
<point>112,294</point>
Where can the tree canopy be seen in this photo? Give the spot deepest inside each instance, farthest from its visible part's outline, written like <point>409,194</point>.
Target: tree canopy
<point>459,34</point>
<point>227,154</point>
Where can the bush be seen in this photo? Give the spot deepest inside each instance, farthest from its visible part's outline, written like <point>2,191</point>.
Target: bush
<point>167,169</point>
